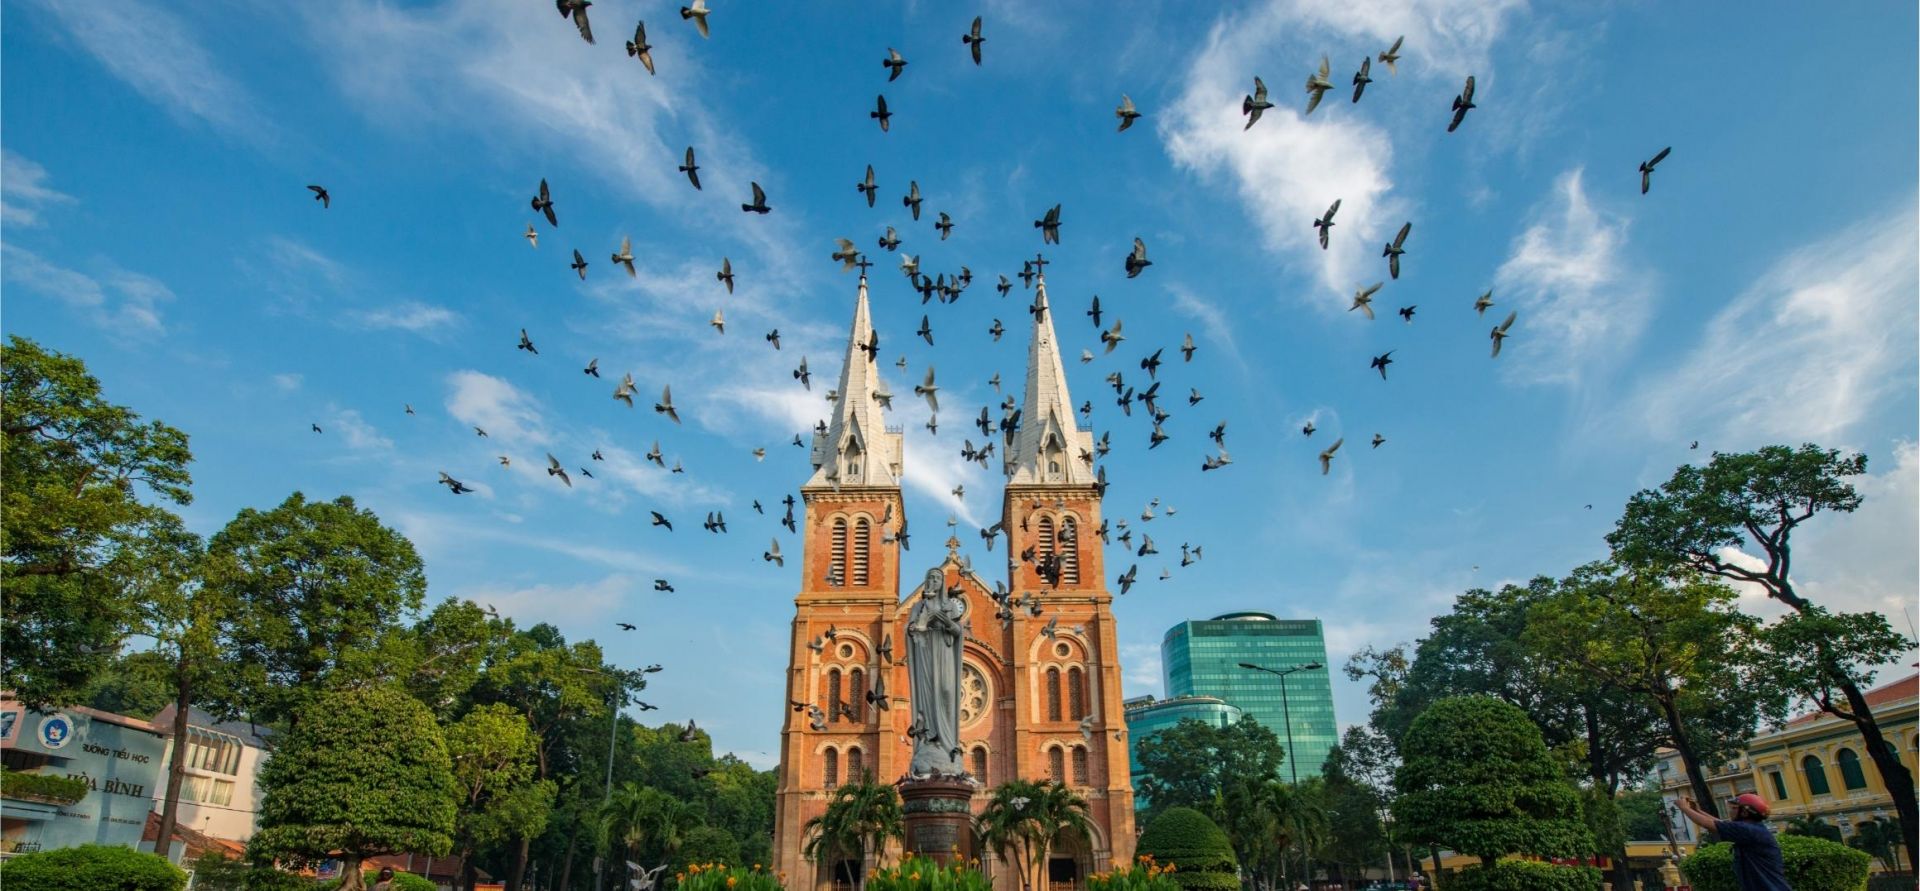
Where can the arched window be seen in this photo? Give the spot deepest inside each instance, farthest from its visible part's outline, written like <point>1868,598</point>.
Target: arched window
<point>862,537</point>
<point>833,695</point>
<point>830,770</point>
<point>1043,542</point>
<point>1053,694</point>
<point>856,765</point>
<point>1056,765</point>
<point>1069,552</point>
<point>837,565</point>
<point>980,764</point>
<point>1850,773</point>
<point>857,694</point>
<point>1816,775</point>
<point>1080,766</point>
<point>1076,694</point>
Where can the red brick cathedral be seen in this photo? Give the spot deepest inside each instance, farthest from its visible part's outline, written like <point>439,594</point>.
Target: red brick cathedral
<point>1040,693</point>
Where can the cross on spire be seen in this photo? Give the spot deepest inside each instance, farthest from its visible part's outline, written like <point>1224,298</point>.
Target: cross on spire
<point>1040,262</point>
<point>863,263</point>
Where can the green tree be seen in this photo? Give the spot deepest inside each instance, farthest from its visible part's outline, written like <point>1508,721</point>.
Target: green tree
<point>1881,840</point>
<point>859,820</point>
<point>1704,518</point>
<point>1641,815</point>
<point>182,616</point>
<point>1192,763</point>
<point>138,683</point>
<point>1356,838</point>
<point>1476,777</point>
<point>365,771</point>
<point>314,586</point>
<point>1022,819</point>
<point>1197,849</point>
<point>72,523</point>
<point>492,753</point>
<point>1301,827</point>
<point>643,823</point>
<point>1677,642</point>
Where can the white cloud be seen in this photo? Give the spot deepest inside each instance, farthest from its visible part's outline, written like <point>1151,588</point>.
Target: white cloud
<point>510,416</point>
<point>1579,304</point>
<point>125,304</point>
<point>288,382</point>
<point>155,52</point>
<point>419,318</point>
<point>24,191</point>
<point>1140,666</point>
<point>1217,331</point>
<point>564,605</point>
<point>360,435</point>
<point>1866,561</point>
<point>1806,352</point>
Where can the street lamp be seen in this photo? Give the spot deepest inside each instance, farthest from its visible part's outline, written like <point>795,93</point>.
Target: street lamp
<point>1286,715</point>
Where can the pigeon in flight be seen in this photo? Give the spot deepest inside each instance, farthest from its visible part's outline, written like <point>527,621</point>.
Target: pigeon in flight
<point>772,554</point>
<point>1381,362</point>
<point>719,321</point>
<point>1391,57</point>
<point>1461,104</point>
<point>698,13</point>
<point>725,275</point>
<point>1137,261</point>
<point>1093,312</point>
<point>1361,78</point>
<point>624,392</point>
<point>895,63</point>
<point>929,390</point>
<point>867,187</point>
<point>659,520</point>
<point>1253,105</point>
<point>1499,333</point>
<point>1326,457</point>
<point>1049,226</point>
<point>911,201</point>
<point>638,48</point>
<point>1126,112</point>
<point>1325,222</point>
<point>1646,171</point>
<point>453,485</point>
<point>945,225</point>
<point>1485,300</point>
<point>1186,348</point>
<point>626,626</point>
<point>804,376</point>
<point>1112,336</point>
<point>1308,428</point>
<point>997,330</point>
<point>665,405</point>
<point>578,10</point>
<point>543,202</point>
<point>759,204</point>
<point>662,585</point>
<point>316,428</point>
<point>593,367</point>
<point>326,200</point>
<point>554,469</point>
<point>973,40</point>
<point>880,113</point>
<point>1406,312</point>
<point>579,265</point>
<point>1318,85</point>
<point>1127,578</point>
<point>625,256</point>
<point>691,169</point>
<point>926,331</point>
<point>1363,298</point>
<point>1393,250</point>
<point>526,343</point>
<point>533,236</point>
<point>773,337</point>
<point>1378,440</point>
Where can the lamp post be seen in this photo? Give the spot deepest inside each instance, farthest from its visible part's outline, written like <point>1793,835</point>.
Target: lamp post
<point>1286,718</point>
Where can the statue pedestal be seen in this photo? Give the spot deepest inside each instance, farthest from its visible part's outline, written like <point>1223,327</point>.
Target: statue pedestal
<point>939,818</point>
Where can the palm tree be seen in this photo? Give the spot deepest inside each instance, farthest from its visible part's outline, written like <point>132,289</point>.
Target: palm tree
<point>1881,839</point>
<point>641,816</point>
<point>1299,820</point>
<point>859,820</point>
<point>1809,825</point>
<point>1022,818</point>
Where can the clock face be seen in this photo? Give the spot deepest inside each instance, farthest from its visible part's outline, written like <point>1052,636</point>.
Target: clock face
<point>974,695</point>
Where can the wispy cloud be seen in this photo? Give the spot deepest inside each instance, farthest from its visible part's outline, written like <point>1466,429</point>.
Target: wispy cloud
<point>124,304</point>
<point>508,414</point>
<point>1807,350</point>
<point>360,435</point>
<point>419,318</point>
<point>154,51</point>
<point>24,190</point>
<point>1213,322</point>
<point>1580,305</point>
<point>287,382</point>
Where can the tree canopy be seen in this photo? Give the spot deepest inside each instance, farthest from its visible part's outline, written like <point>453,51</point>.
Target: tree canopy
<point>1192,763</point>
<point>1476,777</point>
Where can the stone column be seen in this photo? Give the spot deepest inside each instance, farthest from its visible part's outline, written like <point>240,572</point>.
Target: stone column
<point>939,818</point>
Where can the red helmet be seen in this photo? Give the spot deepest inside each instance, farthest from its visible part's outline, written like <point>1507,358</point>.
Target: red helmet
<point>1753,803</point>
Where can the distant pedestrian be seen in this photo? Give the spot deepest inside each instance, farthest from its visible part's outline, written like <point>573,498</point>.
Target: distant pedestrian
<point>384,881</point>
<point>1757,865</point>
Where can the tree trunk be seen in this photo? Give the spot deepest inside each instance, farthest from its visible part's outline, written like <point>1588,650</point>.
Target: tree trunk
<point>1893,774</point>
<point>519,870</point>
<point>350,877</point>
<point>566,864</point>
<point>176,765</point>
<point>1683,744</point>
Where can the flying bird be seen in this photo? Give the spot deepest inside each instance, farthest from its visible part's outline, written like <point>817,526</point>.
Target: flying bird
<point>526,343</point>
<point>624,392</point>
<point>1461,104</point>
<point>1381,362</point>
<point>773,337</point>
<point>554,469</point>
<point>973,40</point>
<point>578,10</point>
<point>1187,348</point>
<point>625,256</point>
<point>1499,333</point>
<point>867,187</point>
<point>1326,457</point>
<point>638,48</point>
<point>1318,85</point>
<point>326,200</point>
<point>719,321</point>
<point>1646,171</point>
<point>1391,57</point>
<point>759,204</point>
<point>1126,112</point>
<point>660,520</point>
<point>1325,222</point>
<point>929,390</point>
<point>880,113</point>
<point>926,331</point>
<point>802,375</point>
<point>1253,105</point>
<point>579,264</point>
<point>725,275</point>
<point>593,367</point>
<point>316,428</point>
<point>1378,440</point>
<point>1393,251</point>
<point>1485,300</point>
<point>662,585</point>
<point>543,202</point>
<point>533,236</point>
<point>1112,336</point>
<point>1127,578</point>
<point>1049,226</point>
<point>665,405</point>
<point>453,485</point>
<point>847,254</point>
<point>1093,312</point>
<point>890,240</point>
<point>626,626</point>
<point>996,331</point>
<point>772,554</point>
<point>895,63</point>
<point>1363,298</point>
<point>912,201</point>
<point>698,13</point>
<point>691,169</point>
<point>1406,312</point>
<point>1361,78</point>
<point>1137,261</point>
<point>1308,428</point>
<point>945,225</point>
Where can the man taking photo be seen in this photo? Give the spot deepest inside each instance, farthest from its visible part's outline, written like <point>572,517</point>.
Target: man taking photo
<point>1757,865</point>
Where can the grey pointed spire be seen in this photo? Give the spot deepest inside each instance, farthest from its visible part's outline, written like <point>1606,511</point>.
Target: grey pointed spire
<point>1049,445</point>
<point>857,449</point>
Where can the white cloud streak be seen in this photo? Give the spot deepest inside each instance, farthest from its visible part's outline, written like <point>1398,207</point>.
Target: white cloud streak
<point>24,190</point>
<point>1580,307</point>
<point>124,304</point>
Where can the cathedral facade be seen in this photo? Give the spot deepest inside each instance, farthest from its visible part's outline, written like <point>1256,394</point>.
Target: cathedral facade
<point>1040,677</point>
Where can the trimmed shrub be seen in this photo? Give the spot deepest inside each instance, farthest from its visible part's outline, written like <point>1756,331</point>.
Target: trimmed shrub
<point>922,874</point>
<point>1195,847</point>
<point>91,868</point>
<point>42,787</point>
<point>1813,864</point>
<point>1525,875</point>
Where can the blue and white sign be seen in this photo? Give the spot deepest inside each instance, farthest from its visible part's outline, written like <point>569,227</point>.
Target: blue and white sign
<point>56,730</point>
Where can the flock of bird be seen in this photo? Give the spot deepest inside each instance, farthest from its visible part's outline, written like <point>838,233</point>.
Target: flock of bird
<point>948,288</point>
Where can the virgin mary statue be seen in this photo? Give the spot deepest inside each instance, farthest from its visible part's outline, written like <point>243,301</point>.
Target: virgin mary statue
<point>934,640</point>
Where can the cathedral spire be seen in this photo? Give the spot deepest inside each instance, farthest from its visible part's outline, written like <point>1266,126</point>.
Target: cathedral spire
<point>856,448</point>
<point>1050,447</point>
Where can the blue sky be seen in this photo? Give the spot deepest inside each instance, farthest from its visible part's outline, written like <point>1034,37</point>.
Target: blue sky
<point>156,223</point>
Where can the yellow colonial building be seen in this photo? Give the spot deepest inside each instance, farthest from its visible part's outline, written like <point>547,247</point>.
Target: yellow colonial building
<point>1814,766</point>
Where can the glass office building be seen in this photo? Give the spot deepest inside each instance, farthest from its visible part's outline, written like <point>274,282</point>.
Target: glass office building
<point>1146,716</point>
<point>1202,658</point>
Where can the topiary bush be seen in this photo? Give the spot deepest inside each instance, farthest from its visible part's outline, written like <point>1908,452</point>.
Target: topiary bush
<point>1525,875</point>
<point>1195,847</point>
<point>1813,864</point>
<point>42,787</point>
<point>91,868</point>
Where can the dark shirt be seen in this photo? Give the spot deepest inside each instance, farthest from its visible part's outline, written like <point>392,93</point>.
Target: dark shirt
<point>1756,856</point>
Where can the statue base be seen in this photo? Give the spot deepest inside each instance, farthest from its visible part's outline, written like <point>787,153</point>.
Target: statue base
<point>938,813</point>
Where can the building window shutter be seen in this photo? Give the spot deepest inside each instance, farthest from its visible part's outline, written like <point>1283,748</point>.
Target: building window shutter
<point>1816,775</point>
<point>856,765</point>
<point>830,771</point>
<point>862,537</point>
<point>1043,542</point>
<point>1056,765</point>
<point>1069,551</point>
<point>1076,694</point>
<point>1053,694</point>
<point>857,694</point>
<point>1779,785</point>
<point>980,764</point>
<point>1850,774</point>
<point>833,695</point>
<point>1080,765</point>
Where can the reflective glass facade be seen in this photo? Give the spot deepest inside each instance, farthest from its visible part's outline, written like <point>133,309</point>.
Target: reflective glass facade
<point>1201,658</point>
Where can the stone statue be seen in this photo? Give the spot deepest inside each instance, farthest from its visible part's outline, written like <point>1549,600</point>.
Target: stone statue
<point>934,642</point>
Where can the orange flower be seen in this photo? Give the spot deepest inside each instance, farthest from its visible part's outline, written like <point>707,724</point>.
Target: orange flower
<point>732,880</point>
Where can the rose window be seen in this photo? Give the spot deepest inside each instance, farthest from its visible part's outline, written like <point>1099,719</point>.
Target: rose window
<point>973,694</point>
